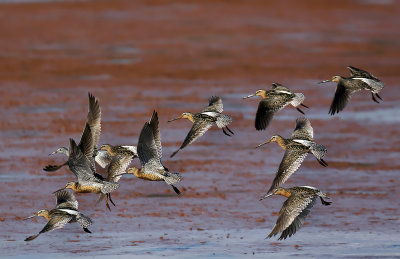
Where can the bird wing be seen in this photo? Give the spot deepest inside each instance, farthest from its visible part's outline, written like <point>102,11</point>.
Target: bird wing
<point>94,119</point>
<point>66,200</point>
<point>147,148</point>
<point>291,161</point>
<point>57,221</point>
<point>303,129</point>
<point>198,129</point>
<point>118,166</point>
<point>281,89</point>
<point>103,158</point>
<point>267,107</point>
<point>86,145</point>
<point>357,72</point>
<point>341,98</point>
<point>214,105</point>
<point>78,163</point>
<point>292,214</point>
<point>156,133</point>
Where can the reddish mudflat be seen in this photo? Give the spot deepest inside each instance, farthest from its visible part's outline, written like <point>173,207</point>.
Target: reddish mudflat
<point>136,56</point>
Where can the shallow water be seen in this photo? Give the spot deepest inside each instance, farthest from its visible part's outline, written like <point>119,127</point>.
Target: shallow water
<point>140,56</point>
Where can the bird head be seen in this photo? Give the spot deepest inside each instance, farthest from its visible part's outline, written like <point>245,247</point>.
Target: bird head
<point>42,213</point>
<point>260,92</point>
<point>108,148</point>
<point>185,115</point>
<point>60,150</point>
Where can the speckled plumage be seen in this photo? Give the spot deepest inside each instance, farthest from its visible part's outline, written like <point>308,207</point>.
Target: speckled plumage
<point>203,120</point>
<point>346,86</point>
<point>295,209</point>
<point>296,149</point>
<point>273,101</point>
<point>65,211</point>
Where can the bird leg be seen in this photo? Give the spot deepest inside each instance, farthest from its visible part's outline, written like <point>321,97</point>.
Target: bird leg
<point>108,206</point>
<point>377,95</point>
<point>225,132</point>
<point>229,130</point>
<point>322,162</point>
<point>176,190</point>
<point>87,230</point>
<point>326,203</point>
<point>109,195</point>
<point>300,110</point>
<point>304,106</point>
<point>373,98</point>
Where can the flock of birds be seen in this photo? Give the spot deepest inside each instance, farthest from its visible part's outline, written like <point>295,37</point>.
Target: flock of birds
<point>82,157</point>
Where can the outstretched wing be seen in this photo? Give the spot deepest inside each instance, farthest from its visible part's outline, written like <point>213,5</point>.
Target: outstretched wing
<point>197,130</point>
<point>341,98</point>
<point>78,163</point>
<point>94,119</point>
<point>357,72</point>
<point>86,145</point>
<point>66,200</point>
<point>291,161</point>
<point>267,107</point>
<point>148,151</point>
<point>156,133</point>
<point>214,105</point>
<point>303,129</point>
<point>292,215</point>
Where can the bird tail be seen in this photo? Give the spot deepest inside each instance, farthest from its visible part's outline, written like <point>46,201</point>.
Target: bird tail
<point>83,221</point>
<point>109,187</point>
<point>318,151</point>
<point>223,120</point>
<point>298,99</point>
<point>376,86</point>
<point>172,178</point>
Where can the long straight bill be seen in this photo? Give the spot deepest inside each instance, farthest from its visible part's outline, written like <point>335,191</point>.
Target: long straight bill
<point>251,95</point>
<point>262,144</point>
<point>325,81</point>
<point>266,196</point>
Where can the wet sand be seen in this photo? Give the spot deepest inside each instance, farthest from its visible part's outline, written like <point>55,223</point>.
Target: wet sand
<point>136,56</point>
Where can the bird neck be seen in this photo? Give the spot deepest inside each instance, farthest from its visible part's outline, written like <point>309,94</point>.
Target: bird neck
<point>45,214</point>
<point>263,94</point>
<point>285,193</point>
<point>189,117</point>
<point>110,150</point>
<point>281,142</point>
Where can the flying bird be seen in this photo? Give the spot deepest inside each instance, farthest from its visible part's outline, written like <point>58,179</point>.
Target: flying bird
<point>273,101</point>
<point>65,211</point>
<point>296,149</point>
<point>150,153</point>
<point>203,120</point>
<point>346,86</point>
<point>295,209</point>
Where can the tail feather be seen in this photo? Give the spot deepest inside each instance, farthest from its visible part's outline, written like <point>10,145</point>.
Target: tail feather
<point>318,151</point>
<point>223,120</point>
<point>298,99</point>
<point>172,178</point>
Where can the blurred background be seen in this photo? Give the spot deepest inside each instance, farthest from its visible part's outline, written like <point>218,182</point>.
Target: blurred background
<point>171,56</point>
